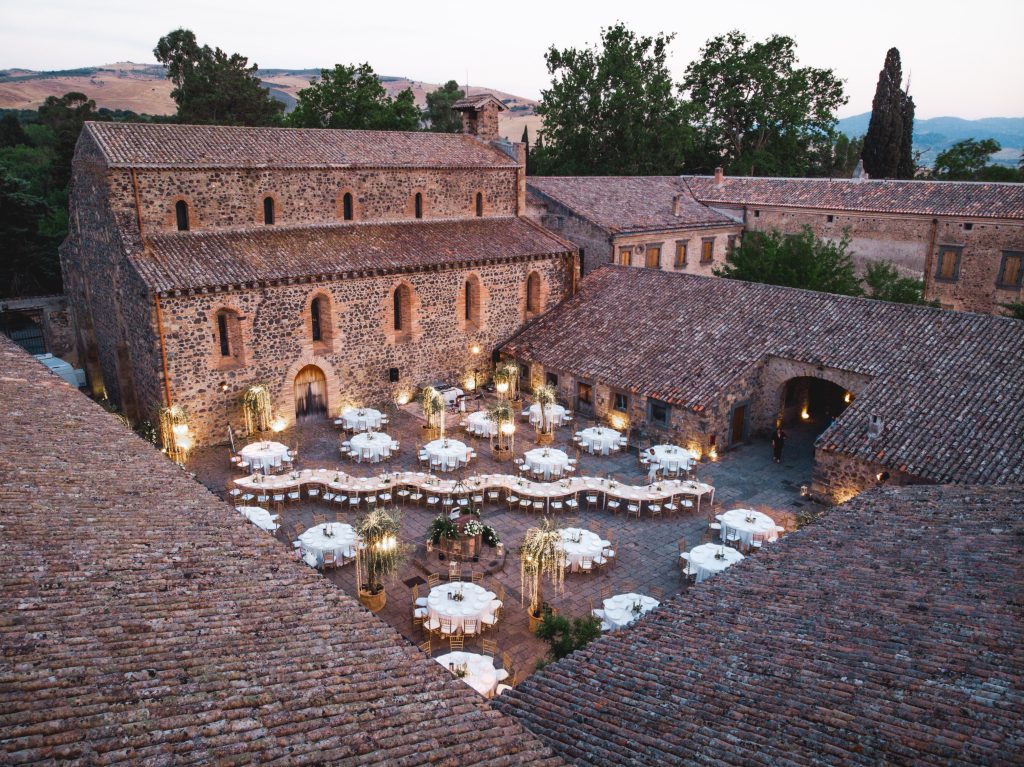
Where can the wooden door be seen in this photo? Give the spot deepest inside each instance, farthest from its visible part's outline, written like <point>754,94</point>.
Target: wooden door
<point>310,392</point>
<point>739,420</point>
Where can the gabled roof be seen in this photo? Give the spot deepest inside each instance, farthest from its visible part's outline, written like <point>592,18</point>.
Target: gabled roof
<point>476,101</point>
<point>621,204</point>
<point>143,145</point>
<point>143,621</point>
<point>926,198</point>
<point>949,385</point>
<point>888,632</point>
<point>198,259</point>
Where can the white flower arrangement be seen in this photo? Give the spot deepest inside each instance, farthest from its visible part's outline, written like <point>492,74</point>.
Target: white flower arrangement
<point>473,528</point>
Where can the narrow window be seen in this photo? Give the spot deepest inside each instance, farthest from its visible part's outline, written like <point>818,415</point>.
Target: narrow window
<point>181,213</point>
<point>314,316</point>
<point>1011,271</point>
<point>658,412</point>
<point>222,335</point>
<point>680,255</point>
<point>533,293</point>
<point>707,251</point>
<point>948,267</point>
<point>730,245</point>
<point>469,301</point>
<point>398,308</point>
<point>653,257</point>
<point>830,219</point>
<point>419,205</point>
<point>625,257</point>
<point>621,402</point>
<point>551,379</point>
<point>479,204</point>
<point>757,214</point>
<point>346,205</point>
<point>268,211</point>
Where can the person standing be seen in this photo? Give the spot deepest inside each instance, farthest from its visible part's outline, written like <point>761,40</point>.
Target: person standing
<point>778,442</point>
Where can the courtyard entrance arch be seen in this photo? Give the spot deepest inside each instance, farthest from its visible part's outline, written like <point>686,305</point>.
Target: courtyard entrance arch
<point>813,401</point>
<point>310,392</point>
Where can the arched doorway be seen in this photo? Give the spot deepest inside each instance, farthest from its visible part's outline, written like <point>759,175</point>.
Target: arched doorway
<point>310,392</point>
<point>815,402</point>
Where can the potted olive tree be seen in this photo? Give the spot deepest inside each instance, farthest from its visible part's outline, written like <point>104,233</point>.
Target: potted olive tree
<point>503,439</point>
<point>541,556</point>
<point>544,396</point>
<point>506,381</point>
<point>378,554</point>
<point>433,411</point>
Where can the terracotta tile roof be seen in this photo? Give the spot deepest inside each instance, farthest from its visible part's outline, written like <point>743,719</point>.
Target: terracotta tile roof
<point>186,260</point>
<point>142,621</point>
<point>477,100</point>
<point>928,198</point>
<point>948,384</point>
<point>141,145</point>
<point>890,632</point>
<point>628,203</point>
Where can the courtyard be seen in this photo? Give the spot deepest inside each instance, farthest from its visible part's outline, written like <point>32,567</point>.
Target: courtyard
<point>647,549</point>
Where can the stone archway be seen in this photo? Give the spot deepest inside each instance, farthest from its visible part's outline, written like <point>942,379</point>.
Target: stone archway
<point>285,402</point>
<point>310,392</point>
<point>812,401</point>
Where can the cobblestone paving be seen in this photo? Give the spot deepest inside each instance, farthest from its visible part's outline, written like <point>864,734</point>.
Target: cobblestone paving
<point>647,548</point>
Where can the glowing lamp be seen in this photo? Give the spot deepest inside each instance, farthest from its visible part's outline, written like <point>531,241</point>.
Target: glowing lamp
<point>847,397</point>
<point>804,415</point>
<point>694,453</point>
<point>180,429</point>
<point>508,428</point>
<point>470,384</point>
<point>618,422</point>
<point>278,424</point>
<point>474,349</point>
<point>502,387</point>
<point>184,442</point>
<point>403,398</point>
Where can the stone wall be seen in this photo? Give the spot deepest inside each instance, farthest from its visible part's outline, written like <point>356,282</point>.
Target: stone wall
<point>595,244</point>
<point>668,240</point>
<point>54,318</point>
<point>837,477</point>
<point>362,348</point>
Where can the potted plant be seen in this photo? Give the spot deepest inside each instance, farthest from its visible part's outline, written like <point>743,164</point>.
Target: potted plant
<point>433,411</point>
<point>490,536</point>
<point>503,440</point>
<point>378,555</point>
<point>541,556</point>
<point>506,381</point>
<point>257,409</point>
<point>544,396</point>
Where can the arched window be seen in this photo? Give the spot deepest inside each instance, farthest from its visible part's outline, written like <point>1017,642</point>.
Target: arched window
<point>533,293</point>
<point>479,204</point>
<point>222,334</point>
<point>346,206</point>
<point>471,300</point>
<point>419,205</point>
<point>181,214</point>
<point>401,301</point>
<point>268,210</point>
<point>314,318</point>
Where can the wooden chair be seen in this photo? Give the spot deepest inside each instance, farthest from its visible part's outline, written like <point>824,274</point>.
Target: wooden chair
<point>319,519</point>
<point>628,587</point>
<point>606,591</point>
<point>434,579</point>
<point>488,647</point>
<point>586,564</point>
<point>470,627</point>
<point>477,578</point>
<point>425,646</point>
<point>454,571</point>
<point>456,642</point>
<point>448,627</point>
<point>330,559</point>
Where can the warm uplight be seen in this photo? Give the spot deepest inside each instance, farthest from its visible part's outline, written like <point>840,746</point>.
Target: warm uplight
<point>847,398</point>
<point>387,543</point>
<point>475,348</point>
<point>618,422</point>
<point>184,442</point>
<point>501,386</point>
<point>180,430</point>
<point>278,424</point>
<point>804,414</point>
<point>403,398</point>
<point>508,428</point>
<point>694,453</point>
<point>470,384</point>
<point>713,454</point>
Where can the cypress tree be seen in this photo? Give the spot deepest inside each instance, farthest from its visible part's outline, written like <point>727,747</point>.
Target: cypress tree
<point>884,140</point>
<point>906,165</point>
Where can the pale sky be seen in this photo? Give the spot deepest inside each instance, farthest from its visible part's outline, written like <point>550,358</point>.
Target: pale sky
<point>965,58</point>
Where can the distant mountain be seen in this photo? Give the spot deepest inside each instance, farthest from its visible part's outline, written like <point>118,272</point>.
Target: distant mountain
<point>936,134</point>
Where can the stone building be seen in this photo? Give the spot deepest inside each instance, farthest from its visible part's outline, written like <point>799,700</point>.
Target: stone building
<point>338,267</point>
<point>651,221</point>
<point>908,394</point>
<point>965,239</point>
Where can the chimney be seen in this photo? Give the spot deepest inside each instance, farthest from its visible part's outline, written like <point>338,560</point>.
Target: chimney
<point>719,176</point>
<point>480,115</point>
<point>677,205</point>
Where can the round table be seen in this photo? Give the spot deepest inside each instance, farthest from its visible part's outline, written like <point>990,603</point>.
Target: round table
<point>748,524</point>
<point>342,540</point>
<point>448,452</point>
<point>618,610</point>
<point>703,560</point>
<point>361,419</point>
<point>478,423</point>
<point>371,445</point>
<point>475,603</point>
<point>670,457</point>
<point>600,439</point>
<point>480,672</point>
<point>549,460</point>
<point>259,516</point>
<point>264,455</point>
<point>555,414</point>
<point>589,545</point>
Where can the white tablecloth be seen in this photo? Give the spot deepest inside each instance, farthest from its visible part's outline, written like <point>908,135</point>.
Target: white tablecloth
<point>449,451</point>
<point>760,526</point>
<point>618,610</point>
<point>600,439</point>
<point>702,558</point>
<point>555,414</point>
<point>481,676</point>
<point>264,455</point>
<point>479,423</point>
<point>590,545</point>
<point>260,517</point>
<point>547,459</point>
<point>671,457</point>
<point>377,443</point>
<point>342,540</point>
<point>361,419</point>
<point>476,603</point>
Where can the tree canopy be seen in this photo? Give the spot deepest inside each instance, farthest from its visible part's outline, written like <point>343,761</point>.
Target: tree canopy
<point>965,159</point>
<point>888,144</point>
<point>213,88</point>
<point>755,110</point>
<point>353,97</point>
<point>440,115</point>
<point>884,283</point>
<point>611,109</point>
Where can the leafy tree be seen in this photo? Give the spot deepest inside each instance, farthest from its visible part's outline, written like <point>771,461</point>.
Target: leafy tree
<point>213,88</point>
<point>29,264</point>
<point>611,109</point>
<point>964,160</point>
<point>440,115</point>
<point>65,116</point>
<point>838,160</point>
<point>884,282</point>
<point>755,110</point>
<point>564,637</point>
<point>999,173</point>
<point>11,132</point>
<point>793,260</point>
<point>1014,309</point>
<point>352,97</point>
<point>888,145</point>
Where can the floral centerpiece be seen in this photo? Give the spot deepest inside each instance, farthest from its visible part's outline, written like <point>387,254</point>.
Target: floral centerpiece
<point>473,528</point>
<point>490,536</point>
